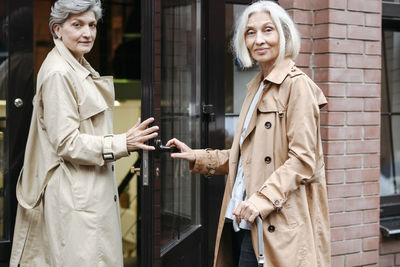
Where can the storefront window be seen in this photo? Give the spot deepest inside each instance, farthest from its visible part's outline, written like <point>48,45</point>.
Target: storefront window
<point>390,123</point>
<point>3,87</point>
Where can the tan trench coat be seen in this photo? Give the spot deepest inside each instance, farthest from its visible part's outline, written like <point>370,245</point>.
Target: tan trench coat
<point>68,213</point>
<point>283,171</point>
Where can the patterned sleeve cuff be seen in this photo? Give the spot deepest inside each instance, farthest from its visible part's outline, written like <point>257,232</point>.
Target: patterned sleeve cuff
<point>204,163</point>
<point>119,147</point>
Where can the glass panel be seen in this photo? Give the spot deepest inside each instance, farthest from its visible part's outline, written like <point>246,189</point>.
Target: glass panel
<point>3,89</point>
<point>236,77</point>
<point>180,117</point>
<point>390,144</point>
<point>386,181</point>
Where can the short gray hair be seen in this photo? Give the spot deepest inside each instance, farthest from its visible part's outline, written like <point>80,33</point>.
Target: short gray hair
<point>62,9</point>
<point>289,39</point>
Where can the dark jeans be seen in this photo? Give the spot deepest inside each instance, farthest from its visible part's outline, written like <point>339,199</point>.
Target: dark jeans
<point>242,249</point>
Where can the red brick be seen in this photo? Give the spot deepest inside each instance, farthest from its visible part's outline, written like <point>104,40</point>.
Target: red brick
<point>304,30</point>
<point>337,261</point>
<point>363,33</point>
<point>371,216</point>
<point>333,148</point>
<point>362,175</point>
<point>336,205</point>
<point>307,71</point>
<point>363,62</point>
<point>343,162</point>
<point>372,132</point>
<point>363,118</point>
<point>339,46</point>
<point>345,104</point>
<point>363,90</point>
<point>337,234</point>
<point>333,89</point>
<point>353,259</point>
<point>339,16</point>
<point>371,161</point>
<point>322,4</point>
<point>372,76</point>
<point>341,191</point>
<point>373,48</point>
<point>386,260</point>
<point>369,257</point>
<point>301,16</point>
<point>329,60</point>
<point>334,176</point>
<point>390,245</point>
<point>341,133</point>
<point>371,189</point>
<point>301,4</point>
<point>362,203</point>
<point>345,218</point>
<point>332,118</point>
<point>329,31</point>
<point>358,147</point>
<point>306,46</point>
<point>370,243</point>
<point>362,231</point>
<point>338,75</point>
<point>372,104</point>
<point>364,5</point>
<point>373,20</point>
<point>303,60</point>
<point>346,247</point>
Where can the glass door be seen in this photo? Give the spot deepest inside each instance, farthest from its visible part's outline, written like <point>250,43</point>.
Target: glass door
<point>16,93</point>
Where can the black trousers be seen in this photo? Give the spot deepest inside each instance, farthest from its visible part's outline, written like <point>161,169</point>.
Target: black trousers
<point>242,249</point>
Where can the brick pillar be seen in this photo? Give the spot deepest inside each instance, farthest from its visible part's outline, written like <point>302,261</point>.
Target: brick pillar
<point>341,52</point>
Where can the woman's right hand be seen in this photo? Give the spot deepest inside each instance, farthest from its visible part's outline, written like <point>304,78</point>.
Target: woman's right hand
<point>139,133</point>
<point>186,152</point>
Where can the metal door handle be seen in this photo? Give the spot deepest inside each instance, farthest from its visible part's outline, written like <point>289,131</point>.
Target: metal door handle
<point>161,148</point>
<point>18,102</point>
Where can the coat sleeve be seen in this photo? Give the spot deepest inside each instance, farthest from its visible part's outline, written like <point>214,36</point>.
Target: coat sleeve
<point>211,162</point>
<point>302,133</point>
<point>61,120</point>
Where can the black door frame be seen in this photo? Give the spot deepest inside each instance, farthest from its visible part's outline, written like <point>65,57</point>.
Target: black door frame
<point>20,47</point>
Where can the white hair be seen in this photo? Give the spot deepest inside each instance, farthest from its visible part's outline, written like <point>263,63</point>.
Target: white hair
<point>289,39</point>
<point>62,9</point>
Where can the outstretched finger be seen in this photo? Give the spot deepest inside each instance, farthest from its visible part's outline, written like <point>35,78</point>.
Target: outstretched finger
<point>146,123</point>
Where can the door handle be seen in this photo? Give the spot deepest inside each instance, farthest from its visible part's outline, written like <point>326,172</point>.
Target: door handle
<point>161,148</point>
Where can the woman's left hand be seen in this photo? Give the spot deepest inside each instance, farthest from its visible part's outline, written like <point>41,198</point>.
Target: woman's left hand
<point>247,211</point>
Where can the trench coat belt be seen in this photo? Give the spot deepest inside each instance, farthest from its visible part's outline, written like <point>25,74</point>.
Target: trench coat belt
<point>36,203</point>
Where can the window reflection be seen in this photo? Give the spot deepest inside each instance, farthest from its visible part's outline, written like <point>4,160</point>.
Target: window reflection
<point>180,107</point>
<point>390,126</point>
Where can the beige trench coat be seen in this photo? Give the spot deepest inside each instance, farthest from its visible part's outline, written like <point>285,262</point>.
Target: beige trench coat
<point>68,213</point>
<point>283,171</point>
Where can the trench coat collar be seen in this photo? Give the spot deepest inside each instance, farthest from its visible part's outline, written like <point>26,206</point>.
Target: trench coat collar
<point>82,70</point>
<point>280,71</point>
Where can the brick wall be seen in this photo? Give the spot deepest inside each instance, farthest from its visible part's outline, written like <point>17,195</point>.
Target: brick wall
<point>341,51</point>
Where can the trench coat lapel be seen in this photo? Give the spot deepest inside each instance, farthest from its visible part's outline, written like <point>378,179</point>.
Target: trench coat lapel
<point>276,76</point>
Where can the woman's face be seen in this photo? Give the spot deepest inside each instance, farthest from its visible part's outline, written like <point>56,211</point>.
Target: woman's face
<point>262,39</point>
<point>78,33</point>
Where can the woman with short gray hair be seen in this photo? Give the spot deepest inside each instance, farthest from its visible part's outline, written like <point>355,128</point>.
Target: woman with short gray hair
<point>275,165</point>
<point>68,208</point>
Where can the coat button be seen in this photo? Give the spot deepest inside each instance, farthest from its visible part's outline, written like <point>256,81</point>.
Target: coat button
<point>268,160</point>
<point>115,198</point>
<point>276,202</point>
<point>212,171</point>
<point>271,228</point>
<point>268,125</point>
